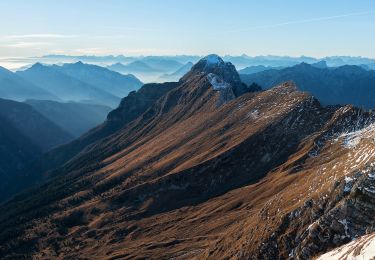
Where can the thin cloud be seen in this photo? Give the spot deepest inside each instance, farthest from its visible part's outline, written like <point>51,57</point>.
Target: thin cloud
<point>61,36</point>
<point>34,36</point>
<point>27,44</point>
<point>92,51</point>
<point>317,19</point>
<point>127,28</point>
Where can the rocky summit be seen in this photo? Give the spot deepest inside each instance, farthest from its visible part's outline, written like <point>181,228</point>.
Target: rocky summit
<point>203,168</point>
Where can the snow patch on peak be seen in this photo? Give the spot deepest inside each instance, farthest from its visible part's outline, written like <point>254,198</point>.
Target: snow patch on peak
<point>213,59</point>
<point>217,82</point>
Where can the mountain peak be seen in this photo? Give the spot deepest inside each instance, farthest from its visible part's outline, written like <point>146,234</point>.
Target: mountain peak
<point>320,64</point>
<point>37,65</point>
<point>215,66</point>
<point>209,62</point>
<point>213,59</point>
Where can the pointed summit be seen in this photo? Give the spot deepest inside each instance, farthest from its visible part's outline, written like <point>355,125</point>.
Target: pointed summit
<point>37,65</point>
<point>216,68</point>
<point>209,63</point>
<point>213,59</point>
<point>320,64</point>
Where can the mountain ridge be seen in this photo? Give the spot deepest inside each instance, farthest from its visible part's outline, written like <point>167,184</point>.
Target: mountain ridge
<point>342,85</point>
<point>260,175</point>
<point>66,87</point>
<point>16,88</point>
<point>112,82</point>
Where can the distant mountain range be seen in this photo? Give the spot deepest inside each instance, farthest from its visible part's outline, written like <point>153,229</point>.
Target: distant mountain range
<point>104,79</point>
<point>133,67</point>
<point>175,76</point>
<point>69,82</point>
<point>65,87</point>
<point>15,87</point>
<point>347,84</point>
<point>257,68</point>
<point>162,64</point>
<point>240,62</point>
<point>114,59</point>
<point>154,68</point>
<point>75,118</point>
<point>149,68</point>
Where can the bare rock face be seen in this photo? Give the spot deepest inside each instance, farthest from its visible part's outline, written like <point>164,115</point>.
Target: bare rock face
<point>225,89</point>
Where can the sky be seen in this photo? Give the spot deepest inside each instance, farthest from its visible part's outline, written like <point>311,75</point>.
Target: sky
<point>168,27</point>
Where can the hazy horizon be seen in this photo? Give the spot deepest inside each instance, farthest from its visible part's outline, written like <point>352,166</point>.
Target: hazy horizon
<point>133,28</point>
<point>15,63</point>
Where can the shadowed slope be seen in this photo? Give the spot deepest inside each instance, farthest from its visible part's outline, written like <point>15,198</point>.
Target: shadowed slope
<point>75,118</point>
<point>42,132</point>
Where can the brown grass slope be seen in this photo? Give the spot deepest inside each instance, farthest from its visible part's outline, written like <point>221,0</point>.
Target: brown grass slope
<point>191,179</point>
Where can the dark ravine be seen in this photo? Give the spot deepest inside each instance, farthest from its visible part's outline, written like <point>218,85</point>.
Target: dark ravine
<point>41,131</point>
<point>75,118</point>
<point>25,135</point>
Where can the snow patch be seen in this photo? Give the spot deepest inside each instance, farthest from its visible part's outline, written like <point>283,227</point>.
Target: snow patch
<point>344,222</point>
<point>254,114</point>
<point>217,82</point>
<point>348,184</point>
<point>370,189</point>
<point>359,249</point>
<point>352,139</point>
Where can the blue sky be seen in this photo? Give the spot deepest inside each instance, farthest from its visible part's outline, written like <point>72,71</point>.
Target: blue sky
<point>162,27</point>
